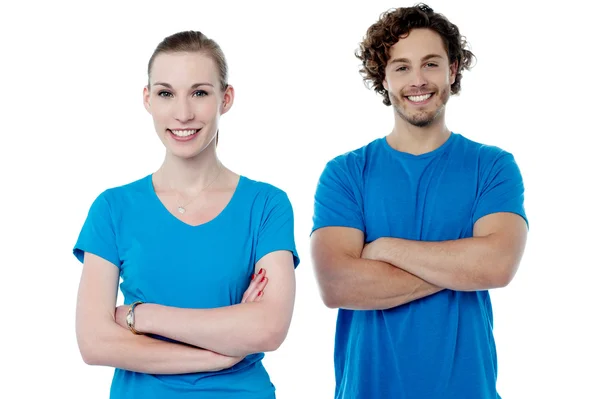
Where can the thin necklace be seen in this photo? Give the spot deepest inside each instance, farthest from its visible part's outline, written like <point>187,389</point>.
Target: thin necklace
<point>181,208</point>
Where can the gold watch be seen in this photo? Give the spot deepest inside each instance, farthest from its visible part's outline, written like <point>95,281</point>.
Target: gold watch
<point>130,318</point>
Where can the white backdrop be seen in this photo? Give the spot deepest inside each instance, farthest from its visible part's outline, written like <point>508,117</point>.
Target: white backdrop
<point>73,124</point>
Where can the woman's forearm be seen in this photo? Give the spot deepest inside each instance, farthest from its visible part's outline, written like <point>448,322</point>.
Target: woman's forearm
<point>236,330</point>
<point>258,324</point>
<point>114,346</point>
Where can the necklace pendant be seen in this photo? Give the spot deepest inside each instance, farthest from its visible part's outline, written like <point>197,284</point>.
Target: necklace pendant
<point>181,209</point>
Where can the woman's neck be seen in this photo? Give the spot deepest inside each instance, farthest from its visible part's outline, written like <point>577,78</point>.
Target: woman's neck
<point>189,176</point>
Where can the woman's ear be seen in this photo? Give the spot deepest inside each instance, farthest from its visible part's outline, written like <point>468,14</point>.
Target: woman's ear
<point>146,98</point>
<point>228,97</point>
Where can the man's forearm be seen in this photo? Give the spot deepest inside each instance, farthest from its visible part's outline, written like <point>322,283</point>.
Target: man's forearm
<point>114,346</point>
<point>236,330</point>
<point>467,264</point>
<point>362,284</point>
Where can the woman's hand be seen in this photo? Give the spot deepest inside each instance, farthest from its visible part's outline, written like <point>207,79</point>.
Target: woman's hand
<point>255,290</point>
<point>253,293</point>
<point>120,314</point>
<point>225,362</point>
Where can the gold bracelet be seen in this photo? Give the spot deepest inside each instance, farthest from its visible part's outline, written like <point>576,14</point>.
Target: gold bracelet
<point>130,318</point>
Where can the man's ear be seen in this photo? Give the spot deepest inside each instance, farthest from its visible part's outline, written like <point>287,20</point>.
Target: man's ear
<point>453,72</point>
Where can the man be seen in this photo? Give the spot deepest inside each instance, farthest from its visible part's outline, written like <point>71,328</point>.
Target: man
<point>443,220</point>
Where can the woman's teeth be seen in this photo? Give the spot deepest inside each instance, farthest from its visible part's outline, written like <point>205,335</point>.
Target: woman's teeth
<point>184,133</point>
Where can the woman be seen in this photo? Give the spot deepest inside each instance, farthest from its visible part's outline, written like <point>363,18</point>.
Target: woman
<point>193,243</point>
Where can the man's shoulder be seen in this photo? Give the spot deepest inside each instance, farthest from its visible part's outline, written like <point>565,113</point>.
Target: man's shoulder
<point>483,151</point>
<point>355,159</point>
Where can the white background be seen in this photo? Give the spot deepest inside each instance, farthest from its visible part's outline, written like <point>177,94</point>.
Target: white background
<point>73,124</point>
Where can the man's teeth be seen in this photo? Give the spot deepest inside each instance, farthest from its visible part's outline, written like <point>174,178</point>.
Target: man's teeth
<point>418,99</point>
<point>184,133</point>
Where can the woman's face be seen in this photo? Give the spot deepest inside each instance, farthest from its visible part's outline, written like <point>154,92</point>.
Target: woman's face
<point>185,100</point>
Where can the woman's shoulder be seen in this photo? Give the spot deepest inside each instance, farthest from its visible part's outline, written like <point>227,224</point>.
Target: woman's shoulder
<point>260,188</point>
<point>264,202</point>
<point>127,190</point>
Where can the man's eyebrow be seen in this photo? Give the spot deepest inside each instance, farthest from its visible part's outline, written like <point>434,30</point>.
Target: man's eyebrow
<point>407,61</point>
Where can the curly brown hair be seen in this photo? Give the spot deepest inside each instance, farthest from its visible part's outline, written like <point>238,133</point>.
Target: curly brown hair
<point>395,24</point>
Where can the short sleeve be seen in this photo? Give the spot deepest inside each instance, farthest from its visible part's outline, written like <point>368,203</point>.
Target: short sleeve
<point>97,235</point>
<point>338,200</point>
<point>276,232</point>
<point>502,190</point>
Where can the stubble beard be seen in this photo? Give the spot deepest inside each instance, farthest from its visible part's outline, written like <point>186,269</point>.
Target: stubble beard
<point>420,118</point>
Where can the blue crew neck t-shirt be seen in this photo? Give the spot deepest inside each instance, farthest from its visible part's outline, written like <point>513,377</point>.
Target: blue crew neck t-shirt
<point>441,346</point>
<point>166,261</point>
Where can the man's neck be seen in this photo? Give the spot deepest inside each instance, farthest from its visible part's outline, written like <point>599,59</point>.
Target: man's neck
<point>418,140</point>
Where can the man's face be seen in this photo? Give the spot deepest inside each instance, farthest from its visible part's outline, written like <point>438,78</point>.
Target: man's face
<point>419,76</point>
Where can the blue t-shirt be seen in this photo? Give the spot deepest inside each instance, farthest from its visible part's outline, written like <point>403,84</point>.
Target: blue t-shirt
<point>166,261</point>
<point>440,346</point>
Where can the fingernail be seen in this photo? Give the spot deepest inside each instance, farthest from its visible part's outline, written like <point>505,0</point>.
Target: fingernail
<point>260,271</point>
<point>263,279</point>
<point>259,293</point>
<point>252,276</point>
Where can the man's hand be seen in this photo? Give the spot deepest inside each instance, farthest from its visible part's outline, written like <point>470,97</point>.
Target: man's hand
<point>368,251</point>
<point>255,289</point>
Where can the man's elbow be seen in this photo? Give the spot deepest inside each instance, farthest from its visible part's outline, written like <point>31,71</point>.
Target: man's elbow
<point>329,291</point>
<point>330,299</point>
<point>506,277</point>
<point>503,274</point>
